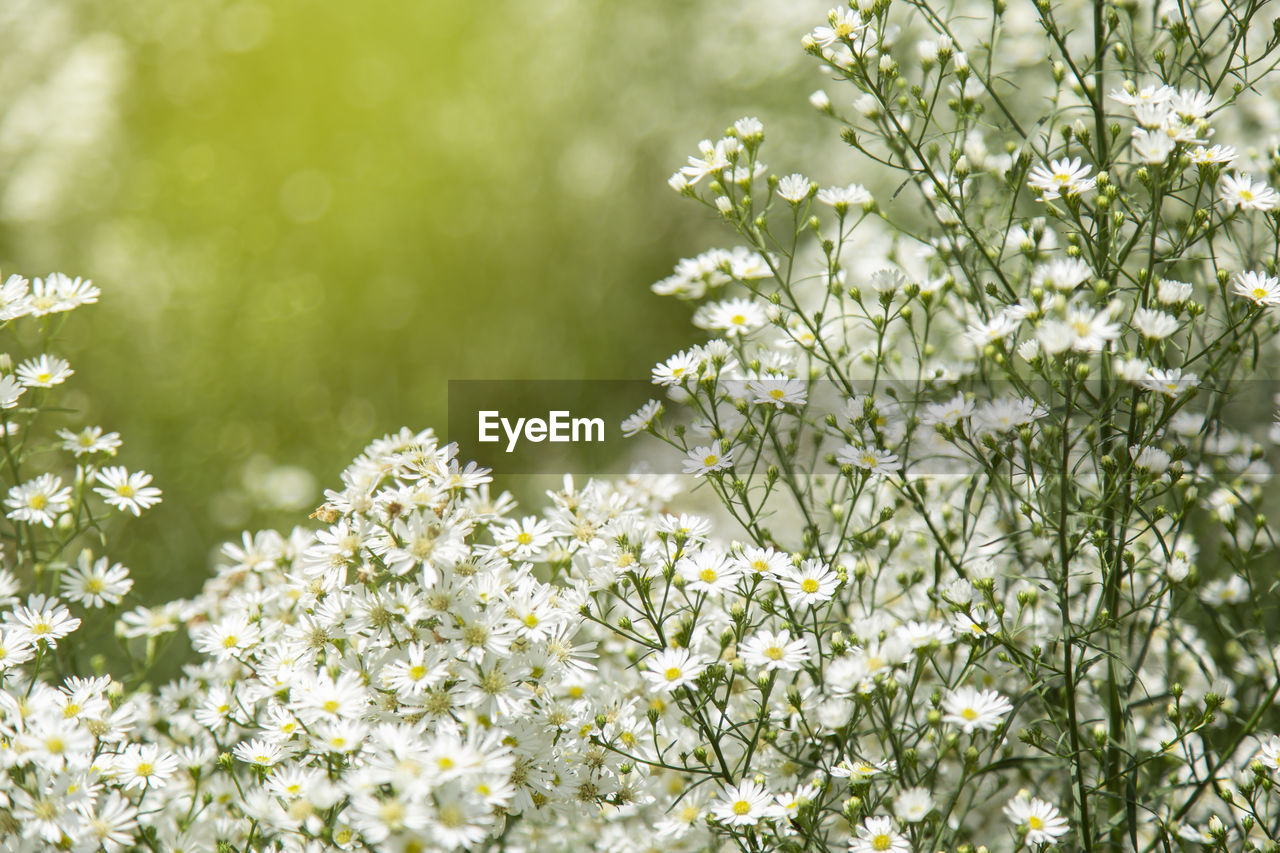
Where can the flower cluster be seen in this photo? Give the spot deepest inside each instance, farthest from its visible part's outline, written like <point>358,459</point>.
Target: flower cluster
<point>79,754</point>
<point>976,558</point>
<point>999,419</point>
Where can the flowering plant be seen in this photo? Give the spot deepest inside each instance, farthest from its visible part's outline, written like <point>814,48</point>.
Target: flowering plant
<point>976,447</point>
<point>978,560</point>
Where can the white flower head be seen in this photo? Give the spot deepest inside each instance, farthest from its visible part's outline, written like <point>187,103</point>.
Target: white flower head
<point>1061,178</point>
<point>129,492</point>
<point>971,709</point>
<point>1038,819</point>
<point>1244,193</point>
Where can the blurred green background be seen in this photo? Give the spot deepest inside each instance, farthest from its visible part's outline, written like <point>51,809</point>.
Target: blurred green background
<point>307,217</point>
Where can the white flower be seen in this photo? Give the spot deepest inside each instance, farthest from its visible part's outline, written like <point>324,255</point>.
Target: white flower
<point>39,501</point>
<point>861,770</point>
<point>733,316</point>
<point>795,188</point>
<point>1061,177</point>
<point>1258,287</point>
<point>1152,460</point>
<point>714,160</point>
<point>997,329</point>
<point>762,561</point>
<point>845,24</point>
<point>705,459</point>
<point>745,804</point>
<point>10,391</point>
<point>414,674</point>
<point>1006,414</point>
<point>843,198</point>
<point>126,491</point>
<point>950,413</point>
<point>1152,146</point>
<point>1244,193</point>
<point>642,419</point>
<point>1191,104</point>
<point>879,463</point>
<point>89,440</point>
<point>973,709</point>
<point>1170,382</point>
<point>777,392</point>
<point>1132,96</point>
<point>811,582</point>
<point>749,129</point>
<point>1061,274</point>
<point>1038,819</point>
<point>878,835</point>
<point>144,766</point>
<point>1269,753</point>
<point>1171,292</point>
<point>258,752</point>
<point>44,371</point>
<point>96,584</point>
<point>774,651</point>
<point>14,299</point>
<point>1154,325</point>
<point>524,540</point>
<point>913,805</point>
<point>15,647</point>
<point>110,823</point>
<point>229,638</point>
<point>42,619</point>
<point>149,621</point>
<point>1217,154</point>
<point>672,668</point>
<point>1220,591</point>
<point>1090,330</point>
<point>679,368</point>
<point>708,571</point>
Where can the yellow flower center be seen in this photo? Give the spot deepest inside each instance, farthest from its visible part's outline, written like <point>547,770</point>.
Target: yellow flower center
<point>809,585</point>
<point>672,673</point>
<point>741,807</point>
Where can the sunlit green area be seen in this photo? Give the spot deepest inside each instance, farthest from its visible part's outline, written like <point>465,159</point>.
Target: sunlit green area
<point>307,217</point>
